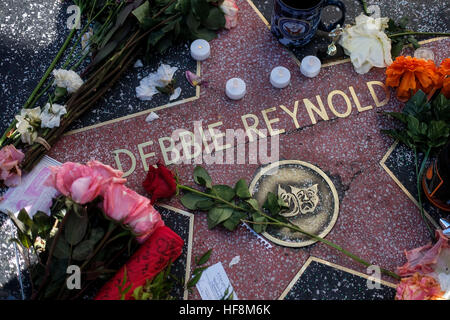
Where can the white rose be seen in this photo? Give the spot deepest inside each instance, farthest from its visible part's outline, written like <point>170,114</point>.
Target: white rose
<point>51,115</point>
<point>367,44</point>
<point>67,79</point>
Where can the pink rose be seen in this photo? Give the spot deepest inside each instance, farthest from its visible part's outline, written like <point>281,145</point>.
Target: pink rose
<point>10,159</point>
<point>119,202</point>
<point>123,204</point>
<point>230,9</point>
<point>83,183</point>
<point>107,172</point>
<point>145,221</point>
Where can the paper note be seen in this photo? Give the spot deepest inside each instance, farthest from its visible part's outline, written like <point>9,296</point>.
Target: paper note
<point>31,194</point>
<point>214,283</point>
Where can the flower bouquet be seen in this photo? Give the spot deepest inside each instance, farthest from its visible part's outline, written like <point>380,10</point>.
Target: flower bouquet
<point>123,31</point>
<point>94,224</point>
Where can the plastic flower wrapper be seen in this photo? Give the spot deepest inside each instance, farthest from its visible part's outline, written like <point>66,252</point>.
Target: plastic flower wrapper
<point>10,159</point>
<point>162,248</point>
<point>159,81</point>
<point>230,9</point>
<point>67,79</point>
<point>27,122</point>
<point>51,115</point>
<point>367,44</point>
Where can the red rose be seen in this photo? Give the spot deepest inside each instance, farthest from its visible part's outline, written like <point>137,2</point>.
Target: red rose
<point>160,182</point>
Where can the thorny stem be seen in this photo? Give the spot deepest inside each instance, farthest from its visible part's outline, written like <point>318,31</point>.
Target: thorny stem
<point>290,226</point>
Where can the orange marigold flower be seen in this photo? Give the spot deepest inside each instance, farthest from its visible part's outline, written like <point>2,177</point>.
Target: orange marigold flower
<point>444,71</point>
<point>409,74</point>
<point>418,287</point>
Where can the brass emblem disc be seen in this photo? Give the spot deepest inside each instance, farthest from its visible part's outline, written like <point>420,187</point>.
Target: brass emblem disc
<point>312,198</point>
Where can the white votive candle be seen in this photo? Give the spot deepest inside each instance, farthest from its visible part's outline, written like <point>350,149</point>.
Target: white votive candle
<point>235,88</point>
<point>200,50</point>
<point>310,66</point>
<point>280,77</point>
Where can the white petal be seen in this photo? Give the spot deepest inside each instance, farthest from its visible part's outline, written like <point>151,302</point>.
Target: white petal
<point>176,94</point>
<point>138,63</point>
<point>152,116</point>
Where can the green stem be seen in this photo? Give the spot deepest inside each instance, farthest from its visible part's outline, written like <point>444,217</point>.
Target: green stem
<point>419,187</point>
<point>291,226</point>
<point>419,33</point>
<point>364,5</point>
<point>111,228</point>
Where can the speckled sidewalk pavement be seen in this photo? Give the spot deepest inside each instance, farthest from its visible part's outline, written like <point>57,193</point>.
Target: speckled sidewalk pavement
<point>377,219</point>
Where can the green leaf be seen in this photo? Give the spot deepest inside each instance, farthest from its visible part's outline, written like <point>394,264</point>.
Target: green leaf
<point>164,44</point>
<point>190,200</point>
<point>215,19</point>
<point>154,37</point>
<point>205,204</point>
<point>235,219</point>
<point>204,258</point>
<point>396,49</point>
<point>438,133</point>
<point>62,249</point>
<point>271,203</point>
<point>25,218</point>
<point>142,12</point>
<point>83,249</point>
<point>75,228</point>
<point>224,192</point>
<point>183,6</point>
<point>200,8</point>
<point>242,190</point>
<point>259,227</point>
<point>192,23</point>
<point>194,280</point>
<point>60,93</point>
<point>96,234</point>
<point>397,115</point>
<point>42,224</point>
<point>253,203</point>
<point>216,215</point>
<point>205,34</point>
<point>202,177</point>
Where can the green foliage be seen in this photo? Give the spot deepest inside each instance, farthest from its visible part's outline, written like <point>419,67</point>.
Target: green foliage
<point>399,42</point>
<point>70,235</point>
<point>200,267</point>
<point>426,123</point>
<point>229,206</point>
<point>161,286</point>
<point>180,20</point>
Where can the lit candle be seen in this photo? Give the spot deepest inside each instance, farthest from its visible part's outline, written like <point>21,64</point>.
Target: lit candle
<point>235,89</point>
<point>200,50</point>
<point>310,66</point>
<point>280,77</point>
<point>424,53</point>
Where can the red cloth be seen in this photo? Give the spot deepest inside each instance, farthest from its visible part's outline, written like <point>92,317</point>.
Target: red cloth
<point>151,258</point>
